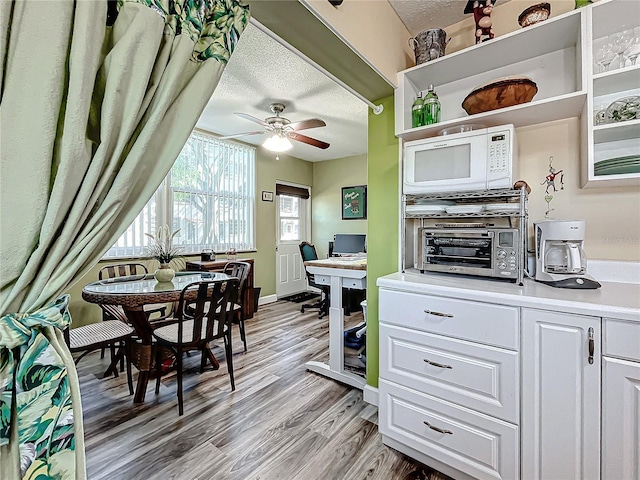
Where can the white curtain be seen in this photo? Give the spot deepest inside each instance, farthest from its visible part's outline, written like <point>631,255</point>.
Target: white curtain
<point>93,114</point>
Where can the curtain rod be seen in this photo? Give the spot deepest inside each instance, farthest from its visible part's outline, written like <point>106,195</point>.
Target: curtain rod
<point>377,109</point>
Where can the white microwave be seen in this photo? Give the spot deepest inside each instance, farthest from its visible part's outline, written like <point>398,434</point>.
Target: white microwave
<point>481,159</point>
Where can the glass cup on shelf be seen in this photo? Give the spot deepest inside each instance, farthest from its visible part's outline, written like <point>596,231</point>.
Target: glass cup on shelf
<point>633,51</point>
<point>604,56</point>
<point>600,116</point>
<point>619,42</point>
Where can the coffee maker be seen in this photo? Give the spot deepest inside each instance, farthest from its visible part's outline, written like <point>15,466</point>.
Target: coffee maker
<point>560,259</point>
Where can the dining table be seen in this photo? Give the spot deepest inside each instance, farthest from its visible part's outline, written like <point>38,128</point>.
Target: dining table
<point>132,293</point>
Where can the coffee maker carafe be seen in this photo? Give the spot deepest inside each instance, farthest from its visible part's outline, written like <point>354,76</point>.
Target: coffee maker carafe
<point>560,259</point>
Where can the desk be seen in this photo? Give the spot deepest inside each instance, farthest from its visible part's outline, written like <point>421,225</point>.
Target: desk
<point>132,293</point>
<point>248,300</point>
<point>338,272</point>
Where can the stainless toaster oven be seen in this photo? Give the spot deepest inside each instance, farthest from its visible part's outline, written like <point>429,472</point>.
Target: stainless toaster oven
<point>489,252</point>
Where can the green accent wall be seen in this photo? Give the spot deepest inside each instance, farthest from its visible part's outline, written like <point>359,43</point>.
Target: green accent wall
<point>328,179</point>
<point>268,170</point>
<point>382,227</point>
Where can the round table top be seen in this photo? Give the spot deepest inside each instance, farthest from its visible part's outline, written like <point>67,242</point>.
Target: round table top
<point>140,290</point>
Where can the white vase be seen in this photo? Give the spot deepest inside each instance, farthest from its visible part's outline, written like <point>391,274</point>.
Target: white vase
<point>164,273</point>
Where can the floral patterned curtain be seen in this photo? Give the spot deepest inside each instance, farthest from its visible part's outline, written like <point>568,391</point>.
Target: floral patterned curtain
<point>97,98</point>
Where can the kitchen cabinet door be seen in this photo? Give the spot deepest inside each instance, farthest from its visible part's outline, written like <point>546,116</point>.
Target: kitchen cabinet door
<point>560,420</point>
<point>620,419</point>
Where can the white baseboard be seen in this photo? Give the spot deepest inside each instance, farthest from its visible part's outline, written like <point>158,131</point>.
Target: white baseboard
<point>370,395</point>
<point>268,299</point>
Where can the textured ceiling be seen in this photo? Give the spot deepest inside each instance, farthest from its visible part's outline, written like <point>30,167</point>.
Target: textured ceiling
<point>418,15</point>
<point>260,72</point>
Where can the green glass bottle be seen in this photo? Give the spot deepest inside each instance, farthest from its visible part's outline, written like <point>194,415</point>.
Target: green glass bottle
<point>431,107</point>
<point>417,112</point>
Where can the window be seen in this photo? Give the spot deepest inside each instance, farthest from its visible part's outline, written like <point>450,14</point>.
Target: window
<point>209,194</point>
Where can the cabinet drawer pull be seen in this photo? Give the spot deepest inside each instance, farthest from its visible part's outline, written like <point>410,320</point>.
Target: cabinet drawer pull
<point>437,429</point>
<point>591,345</point>
<point>438,314</point>
<point>436,364</point>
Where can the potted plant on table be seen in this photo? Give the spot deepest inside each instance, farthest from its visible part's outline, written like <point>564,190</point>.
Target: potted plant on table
<point>165,252</point>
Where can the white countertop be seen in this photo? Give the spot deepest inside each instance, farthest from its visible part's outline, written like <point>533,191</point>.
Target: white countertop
<point>617,300</point>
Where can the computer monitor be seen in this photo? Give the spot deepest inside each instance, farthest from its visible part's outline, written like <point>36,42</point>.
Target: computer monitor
<point>349,243</point>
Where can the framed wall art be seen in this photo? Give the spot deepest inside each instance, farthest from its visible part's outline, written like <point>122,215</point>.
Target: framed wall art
<point>354,202</point>
<point>267,196</point>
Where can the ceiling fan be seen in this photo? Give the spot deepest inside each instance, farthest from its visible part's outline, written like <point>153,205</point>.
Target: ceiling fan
<point>281,130</point>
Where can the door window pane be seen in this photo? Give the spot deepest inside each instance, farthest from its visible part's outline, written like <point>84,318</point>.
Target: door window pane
<point>289,218</point>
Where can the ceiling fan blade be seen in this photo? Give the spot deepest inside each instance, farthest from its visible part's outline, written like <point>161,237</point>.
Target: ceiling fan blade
<point>240,135</point>
<point>251,118</point>
<point>308,140</point>
<point>304,124</point>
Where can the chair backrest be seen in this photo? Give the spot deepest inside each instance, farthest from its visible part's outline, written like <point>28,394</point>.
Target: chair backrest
<point>115,312</point>
<point>240,270</point>
<point>122,270</point>
<point>308,253</point>
<point>208,303</point>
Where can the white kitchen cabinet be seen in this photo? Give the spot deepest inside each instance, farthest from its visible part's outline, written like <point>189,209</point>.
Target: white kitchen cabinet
<point>557,54</point>
<point>449,383</point>
<point>620,419</point>
<point>550,53</point>
<point>560,419</point>
<point>621,400</point>
<point>505,367</point>
<point>611,140</point>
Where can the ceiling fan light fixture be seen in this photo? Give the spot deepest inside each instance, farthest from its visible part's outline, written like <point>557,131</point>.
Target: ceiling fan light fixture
<point>277,143</point>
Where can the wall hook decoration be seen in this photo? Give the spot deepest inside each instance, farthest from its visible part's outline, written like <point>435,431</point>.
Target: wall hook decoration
<point>550,182</point>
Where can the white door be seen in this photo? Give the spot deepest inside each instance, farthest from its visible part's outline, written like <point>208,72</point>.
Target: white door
<point>620,419</point>
<point>560,396</point>
<point>292,227</point>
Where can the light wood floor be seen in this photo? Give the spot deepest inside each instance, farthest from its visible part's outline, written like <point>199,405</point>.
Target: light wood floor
<point>282,422</point>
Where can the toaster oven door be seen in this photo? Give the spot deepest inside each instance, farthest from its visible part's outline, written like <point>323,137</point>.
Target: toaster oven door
<point>457,251</point>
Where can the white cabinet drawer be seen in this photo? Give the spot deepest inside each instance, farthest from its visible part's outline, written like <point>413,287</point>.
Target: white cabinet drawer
<point>477,376</point>
<point>322,279</point>
<point>621,339</point>
<point>478,445</point>
<point>479,322</point>
<point>356,283</point>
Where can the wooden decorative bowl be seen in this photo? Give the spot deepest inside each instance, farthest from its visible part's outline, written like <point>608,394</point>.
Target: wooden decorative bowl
<point>534,14</point>
<point>500,93</point>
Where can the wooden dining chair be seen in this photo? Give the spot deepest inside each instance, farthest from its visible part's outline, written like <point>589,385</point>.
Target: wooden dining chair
<point>131,270</point>
<point>203,315</point>
<point>109,272</point>
<point>239,270</point>
<point>94,336</point>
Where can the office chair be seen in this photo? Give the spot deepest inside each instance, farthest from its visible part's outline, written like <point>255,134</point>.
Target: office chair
<point>308,252</point>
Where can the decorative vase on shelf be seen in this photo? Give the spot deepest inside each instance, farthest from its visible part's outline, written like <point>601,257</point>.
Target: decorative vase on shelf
<point>165,273</point>
<point>582,3</point>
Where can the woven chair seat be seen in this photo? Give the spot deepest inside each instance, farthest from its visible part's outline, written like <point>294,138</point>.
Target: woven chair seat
<point>169,333</point>
<point>97,333</point>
